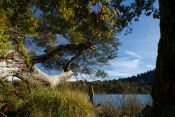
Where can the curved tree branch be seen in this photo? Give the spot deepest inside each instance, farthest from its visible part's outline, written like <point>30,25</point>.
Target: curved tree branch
<point>67,66</point>
<point>44,57</point>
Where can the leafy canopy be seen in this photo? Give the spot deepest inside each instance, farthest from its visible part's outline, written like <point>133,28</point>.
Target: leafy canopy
<point>94,22</point>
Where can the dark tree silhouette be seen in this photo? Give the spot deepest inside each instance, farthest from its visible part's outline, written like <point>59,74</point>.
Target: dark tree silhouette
<point>163,88</point>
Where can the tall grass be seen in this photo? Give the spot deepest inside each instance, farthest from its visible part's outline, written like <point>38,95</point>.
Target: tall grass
<point>129,106</point>
<point>45,102</point>
<point>64,101</point>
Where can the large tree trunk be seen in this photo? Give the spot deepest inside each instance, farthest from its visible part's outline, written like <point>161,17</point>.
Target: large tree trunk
<point>164,85</point>
<point>13,64</point>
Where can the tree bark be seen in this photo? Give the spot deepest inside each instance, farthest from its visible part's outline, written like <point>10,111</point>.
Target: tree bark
<point>38,75</point>
<point>164,84</point>
<point>12,64</point>
<point>16,66</point>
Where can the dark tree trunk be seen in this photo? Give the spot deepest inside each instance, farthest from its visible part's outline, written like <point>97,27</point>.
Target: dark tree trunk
<point>164,85</point>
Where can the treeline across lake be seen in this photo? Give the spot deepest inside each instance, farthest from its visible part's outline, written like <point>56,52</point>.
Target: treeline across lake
<point>141,83</point>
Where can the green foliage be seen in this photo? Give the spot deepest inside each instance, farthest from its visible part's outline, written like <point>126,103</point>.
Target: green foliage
<point>78,21</point>
<point>26,22</point>
<point>67,10</point>
<point>4,38</point>
<point>87,21</point>
<point>8,97</point>
<point>16,20</point>
<point>21,49</point>
<point>101,73</point>
<point>76,37</point>
<point>20,16</point>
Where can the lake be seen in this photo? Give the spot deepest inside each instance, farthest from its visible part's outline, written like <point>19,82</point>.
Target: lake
<point>117,99</point>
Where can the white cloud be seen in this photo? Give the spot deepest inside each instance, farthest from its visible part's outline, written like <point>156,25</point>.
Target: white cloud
<point>125,63</point>
<point>150,66</point>
<point>113,73</point>
<point>123,67</point>
<point>133,54</point>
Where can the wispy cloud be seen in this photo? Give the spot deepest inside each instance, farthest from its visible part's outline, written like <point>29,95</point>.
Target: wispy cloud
<point>125,63</point>
<point>133,54</point>
<point>130,63</point>
<point>113,73</point>
<point>123,67</point>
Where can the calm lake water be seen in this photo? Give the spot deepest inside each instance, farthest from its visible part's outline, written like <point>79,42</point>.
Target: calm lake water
<point>118,99</point>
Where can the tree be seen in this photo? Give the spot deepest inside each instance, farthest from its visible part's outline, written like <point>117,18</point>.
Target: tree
<point>163,88</point>
<point>90,27</point>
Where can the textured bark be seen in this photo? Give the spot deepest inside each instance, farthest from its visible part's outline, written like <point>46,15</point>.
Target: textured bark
<point>16,66</point>
<point>11,65</point>
<point>164,85</point>
<point>38,75</point>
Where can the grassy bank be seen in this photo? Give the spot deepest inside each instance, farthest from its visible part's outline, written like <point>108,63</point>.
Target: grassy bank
<point>23,100</point>
<point>42,101</point>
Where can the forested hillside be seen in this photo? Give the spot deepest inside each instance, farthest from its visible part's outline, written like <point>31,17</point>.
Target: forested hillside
<point>145,78</point>
<point>141,83</point>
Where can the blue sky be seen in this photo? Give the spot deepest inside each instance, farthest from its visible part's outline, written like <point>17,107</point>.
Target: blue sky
<point>138,50</point>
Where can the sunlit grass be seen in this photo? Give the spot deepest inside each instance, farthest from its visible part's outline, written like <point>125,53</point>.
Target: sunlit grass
<point>64,101</point>
<point>43,101</point>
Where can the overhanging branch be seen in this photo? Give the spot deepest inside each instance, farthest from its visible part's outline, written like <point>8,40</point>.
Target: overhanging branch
<point>71,47</point>
<point>67,66</point>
